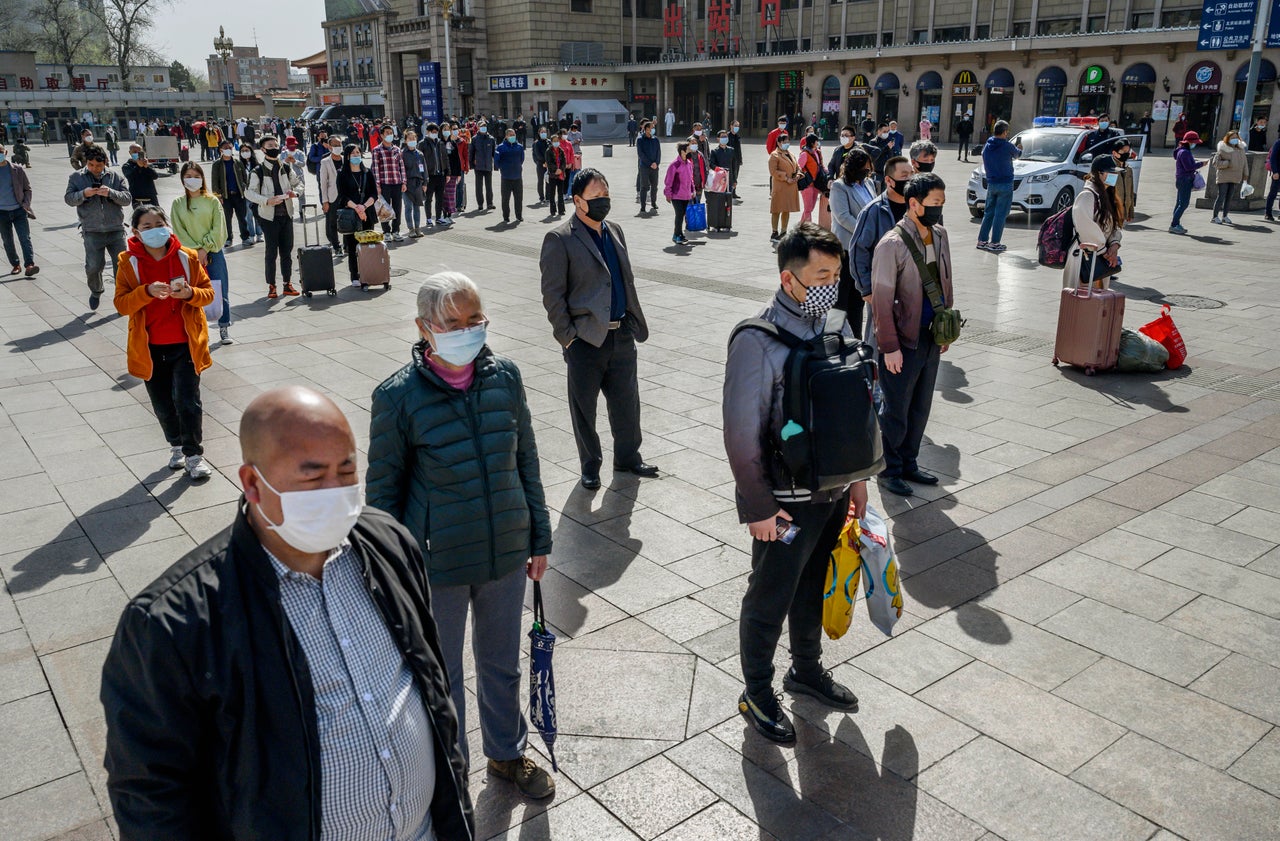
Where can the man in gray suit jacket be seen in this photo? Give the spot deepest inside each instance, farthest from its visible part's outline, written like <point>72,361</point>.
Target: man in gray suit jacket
<point>589,293</point>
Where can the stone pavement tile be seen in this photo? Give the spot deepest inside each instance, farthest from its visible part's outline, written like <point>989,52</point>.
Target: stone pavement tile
<point>38,527</point>
<point>1196,467</point>
<point>999,492</point>
<point>1240,444</point>
<point>873,803</point>
<point>587,507</point>
<point>75,676</point>
<point>576,819</point>
<point>653,797</point>
<point>1214,541</point>
<point>73,615</point>
<point>921,557</point>
<point>74,466</point>
<point>34,744</point>
<point>53,566</point>
<point>1112,445</point>
<point>911,661</point>
<point>712,566</point>
<point>1029,599</point>
<point>1086,519</point>
<point>1268,564</point>
<point>630,582</point>
<point>1244,587</point>
<point>1264,525</point>
<point>1173,716</point>
<point>204,523</point>
<point>96,831</point>
<point>20,673</point>
<point>179,495</point>
<point>1230,626</point>
<point>498,805</point>
<point>1024,651</point>
<point>1013,455</point>
<point>1151,598</point>
<point>750,789</point>
<point>1149,646</point>
<point>9,619</point>
<point>726,596</point>
<point>120,528</point>
<point>1016,552</point>
<point>1068,493</point>
<point>1029,720</point>
<point>661,539</point>
<point>104,493</point>
<point>718,645</point>
<point>684,619</point>
<point>1245,491</point>
<point>1245,684</point>
<point>718,822</point>
<point>945,586</point>
<point>138,566</point>
<point>714,698</point>
<point>1058,467</point>
<point>744,739</point>
<point>1143,493</point>
<point>1123,548</point>
<point>1260,766</point>
<point>725,528</point>
<point>1184,795</point>
<point>931,520</point>
<point>27,816</point>
<point>1019,798</point>
<point>628,635</point>
<point>25,492</point>
<point>571,608</point>
<point>589,676</point>
<point>590,760</point>
<point>679,499</point>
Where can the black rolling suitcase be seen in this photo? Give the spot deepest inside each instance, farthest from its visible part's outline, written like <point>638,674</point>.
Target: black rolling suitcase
<point>719,211</point>
<point>315,262</point>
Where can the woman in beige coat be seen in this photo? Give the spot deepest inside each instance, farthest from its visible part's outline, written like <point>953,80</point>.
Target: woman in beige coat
<point>1231,166</point>
<point>785,198</point>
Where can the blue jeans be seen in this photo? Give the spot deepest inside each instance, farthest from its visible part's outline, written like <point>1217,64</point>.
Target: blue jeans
<point>999,200</point>
<point>217,270</point>
<point>252,222</point>
<point>1183,201</point>
<point>11,221</point>
<point>412,213</point>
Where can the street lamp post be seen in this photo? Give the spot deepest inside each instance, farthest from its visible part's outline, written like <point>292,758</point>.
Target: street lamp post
<point>223,46</point>
<point>447,7</point>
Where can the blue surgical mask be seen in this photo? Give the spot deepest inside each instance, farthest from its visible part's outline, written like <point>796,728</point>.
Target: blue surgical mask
<point>1235,141</point>
<point>784,145</point>
<point>511,140</point>
<point>3,157</point>
<point>1111,179</point>
<point>724,141</point>
<point>542,134</point>
<point>155,237</point>
<point>133,156</point>
<point>356,160</point>
<point>484,129</point>
<point>735,129</point>
<point>461,347</point>
<point>1103,124</point>
<point>412,144</point>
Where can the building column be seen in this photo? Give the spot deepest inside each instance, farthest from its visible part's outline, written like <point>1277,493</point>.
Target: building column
<point>737,95</point>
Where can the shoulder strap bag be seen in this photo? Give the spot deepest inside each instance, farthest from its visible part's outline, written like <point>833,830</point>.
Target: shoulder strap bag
<point>947,322</point>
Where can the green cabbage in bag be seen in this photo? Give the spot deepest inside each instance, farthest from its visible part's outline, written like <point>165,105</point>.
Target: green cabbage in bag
<point>1141,353</point>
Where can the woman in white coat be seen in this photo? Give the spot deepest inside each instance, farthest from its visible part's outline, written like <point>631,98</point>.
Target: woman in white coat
<point>1096,214</point>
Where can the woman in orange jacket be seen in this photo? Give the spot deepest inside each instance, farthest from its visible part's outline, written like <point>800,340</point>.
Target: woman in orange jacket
<point>163,289</point>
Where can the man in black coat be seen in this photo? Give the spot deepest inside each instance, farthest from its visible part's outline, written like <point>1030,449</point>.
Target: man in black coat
<point>285,680</point>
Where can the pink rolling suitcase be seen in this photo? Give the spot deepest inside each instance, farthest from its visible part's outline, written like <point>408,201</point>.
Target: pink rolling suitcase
<point>1089,322</point>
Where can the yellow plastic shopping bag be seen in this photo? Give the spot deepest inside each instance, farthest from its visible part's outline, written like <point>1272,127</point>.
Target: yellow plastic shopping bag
<point>863,555</point>
<point>843,572</point>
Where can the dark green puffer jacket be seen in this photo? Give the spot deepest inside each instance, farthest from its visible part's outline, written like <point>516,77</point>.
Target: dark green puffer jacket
<point>459,469</point>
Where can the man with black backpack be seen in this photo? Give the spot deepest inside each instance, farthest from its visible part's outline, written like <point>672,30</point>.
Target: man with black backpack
<point>801,434</point>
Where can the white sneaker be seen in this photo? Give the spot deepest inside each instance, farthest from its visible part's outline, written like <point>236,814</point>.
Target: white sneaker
<point>198,469</point>
<point>396,237</point>
<point>177,460</point>
<point>224,336</point>
<point>1226,220</point>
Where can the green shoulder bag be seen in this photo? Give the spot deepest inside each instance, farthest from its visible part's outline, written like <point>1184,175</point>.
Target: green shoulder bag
<point>947,322</point>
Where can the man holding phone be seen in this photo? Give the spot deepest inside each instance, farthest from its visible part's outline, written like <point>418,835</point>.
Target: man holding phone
<point>99,196</point>
<point>272,189</point>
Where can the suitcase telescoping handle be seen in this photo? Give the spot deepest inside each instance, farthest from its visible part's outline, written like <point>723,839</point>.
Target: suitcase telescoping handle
<point>1091,251</point>
<point>302,210</point>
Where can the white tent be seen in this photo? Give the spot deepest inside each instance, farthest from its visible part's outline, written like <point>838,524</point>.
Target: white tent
<point>602,119</point>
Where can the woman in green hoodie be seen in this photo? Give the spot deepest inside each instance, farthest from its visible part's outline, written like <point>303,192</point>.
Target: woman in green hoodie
<point>199,224</point>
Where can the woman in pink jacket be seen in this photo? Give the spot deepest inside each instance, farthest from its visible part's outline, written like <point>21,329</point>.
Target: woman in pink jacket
<point>679,188</point>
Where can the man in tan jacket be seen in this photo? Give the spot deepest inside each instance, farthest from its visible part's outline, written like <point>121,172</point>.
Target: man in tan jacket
<point>902,313</point>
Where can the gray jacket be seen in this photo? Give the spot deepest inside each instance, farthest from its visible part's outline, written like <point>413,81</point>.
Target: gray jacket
<point>846,203</point>
<point>98,214</point>
<point>753,414</point>
<point>577,288</point>
<point>481,152</point>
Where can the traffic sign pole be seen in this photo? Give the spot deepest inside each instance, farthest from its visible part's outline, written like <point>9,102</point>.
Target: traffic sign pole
<point>1255,64</point>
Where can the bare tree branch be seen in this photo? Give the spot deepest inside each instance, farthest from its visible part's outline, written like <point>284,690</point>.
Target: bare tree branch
<point>126,23</point>
<point>62,32</point>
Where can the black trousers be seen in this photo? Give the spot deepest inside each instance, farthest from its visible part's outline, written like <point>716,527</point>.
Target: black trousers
<point>647,182</point>
<point>235,205</point>
<point>555,195</point>
<point>680,205</point>
<point>331,226</point>
<point>541,170</point>
<point>434,190</point>
<point>609,369</point>
<point>1272,192</point>
<point>908,399</point>
<point>786,583</point>
<point>848,299</point>
<point>395,196</point>
<point>484,188</point>
<point>349,241</point>
<point>174,389</point>
<point>512,188</point>
<point>277,233</point>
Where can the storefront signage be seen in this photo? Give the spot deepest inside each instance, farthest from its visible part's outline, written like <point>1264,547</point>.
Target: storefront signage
<point>508,83</point>
<point>429,91</point>
<point>1226,25</point>
<point>859,87</point>
<point>965,84</point>
<point>790,80</point>
<point>559,81</point>
<point>1094,81</point>
<point>1203,77</point>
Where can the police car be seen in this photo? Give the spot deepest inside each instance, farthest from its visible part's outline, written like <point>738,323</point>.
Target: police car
<point>1053,165</point>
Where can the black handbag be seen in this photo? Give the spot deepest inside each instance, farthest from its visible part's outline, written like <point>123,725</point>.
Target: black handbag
<point>347,221</point>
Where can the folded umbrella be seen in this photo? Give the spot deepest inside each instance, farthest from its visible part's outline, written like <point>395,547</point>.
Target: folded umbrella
<point>542,684</point>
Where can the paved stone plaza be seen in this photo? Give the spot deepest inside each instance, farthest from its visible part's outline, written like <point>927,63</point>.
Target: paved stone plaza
<point>1091,643</point>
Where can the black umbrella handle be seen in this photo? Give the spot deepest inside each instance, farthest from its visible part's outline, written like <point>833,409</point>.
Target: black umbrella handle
<point>539,612</point>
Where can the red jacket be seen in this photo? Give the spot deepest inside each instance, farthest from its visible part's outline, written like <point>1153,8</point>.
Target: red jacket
<point>771,142</point>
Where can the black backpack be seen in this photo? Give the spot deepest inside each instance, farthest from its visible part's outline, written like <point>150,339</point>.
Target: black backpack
<point>831,435</point>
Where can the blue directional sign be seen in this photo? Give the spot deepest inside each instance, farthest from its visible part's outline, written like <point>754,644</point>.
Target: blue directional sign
<point>1273,31</point>
<point>1226,25</point>
<point>429,93</point>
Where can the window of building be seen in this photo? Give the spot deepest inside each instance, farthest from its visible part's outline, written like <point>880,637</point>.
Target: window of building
<point>1021,29</point>
<point>648,9</point>
<point>155,77</point>
<point>1180,17</point>
<point>886,39</point>
<point>1058,26</point>
<point>795,4</point>
<point>648,53</point>
<point>862,41</point>
<point>919,36</point>
<point>1097,23</point>
<point>1142,20</point>
<point>583,6</point>
<point>982,31</point>
<point>945,34</point>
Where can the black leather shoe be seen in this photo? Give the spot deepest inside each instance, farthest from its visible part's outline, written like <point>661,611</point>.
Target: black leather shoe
<point>768,719</point>
<point>920,477</point>
<point>645,471</point>
<point>896,485</point>
<point>590,481</point>
<point>822,687</point>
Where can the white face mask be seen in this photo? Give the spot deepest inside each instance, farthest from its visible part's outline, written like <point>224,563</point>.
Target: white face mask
<point>697,132</point>
<point>318,520</point>
<point>192,184</point>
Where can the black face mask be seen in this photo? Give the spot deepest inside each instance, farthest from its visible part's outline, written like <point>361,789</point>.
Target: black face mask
<point>930,216</point>
<point>597,209</point>
<point>923,167</point>
<point>271,153</point>
<point>890,185</point>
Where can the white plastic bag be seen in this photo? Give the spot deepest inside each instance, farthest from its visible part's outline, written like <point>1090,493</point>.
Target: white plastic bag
<point>1246,190</point>
<point>879,572</point>
<point>383,209</point>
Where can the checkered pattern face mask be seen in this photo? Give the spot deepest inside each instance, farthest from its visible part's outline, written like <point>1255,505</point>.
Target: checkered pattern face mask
<point>819,300</point>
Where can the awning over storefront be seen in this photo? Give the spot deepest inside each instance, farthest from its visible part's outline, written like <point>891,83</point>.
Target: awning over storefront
<point>1052,77</point>
<point>930,81</point>
<point>1139,74</point>
<point>1266,72</point>
<point>887,82</point>
<point>999,78</point>
<point>1203,77</point>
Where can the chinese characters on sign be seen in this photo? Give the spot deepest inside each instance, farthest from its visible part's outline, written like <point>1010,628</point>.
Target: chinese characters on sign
<point>1094,82</point>
<point>770,12</point>
<point>27,83</point>
<point>1226,25</point>
<point>429,91</point>
<point>790,80</point>
<point>672,22</point>
<point>508,83</point>
<point>719,27</point>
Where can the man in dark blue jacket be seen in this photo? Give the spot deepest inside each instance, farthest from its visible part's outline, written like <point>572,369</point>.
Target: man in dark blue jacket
<point>875,220</point>
<point>509,156</point>
<point>1273,170</point>
<point>648,154</point>
<point>997,163</point>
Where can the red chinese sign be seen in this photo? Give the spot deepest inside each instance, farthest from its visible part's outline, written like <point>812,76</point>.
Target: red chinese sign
<point>27,83</point>
<point>770,12</point>
<point>51,83</point>
<point>102,84</point>
<point>718,19</point>
<point>672,22</point>
<point>77,84</point>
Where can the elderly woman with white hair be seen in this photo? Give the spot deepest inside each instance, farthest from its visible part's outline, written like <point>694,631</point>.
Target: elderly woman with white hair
<point>452,457</point>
